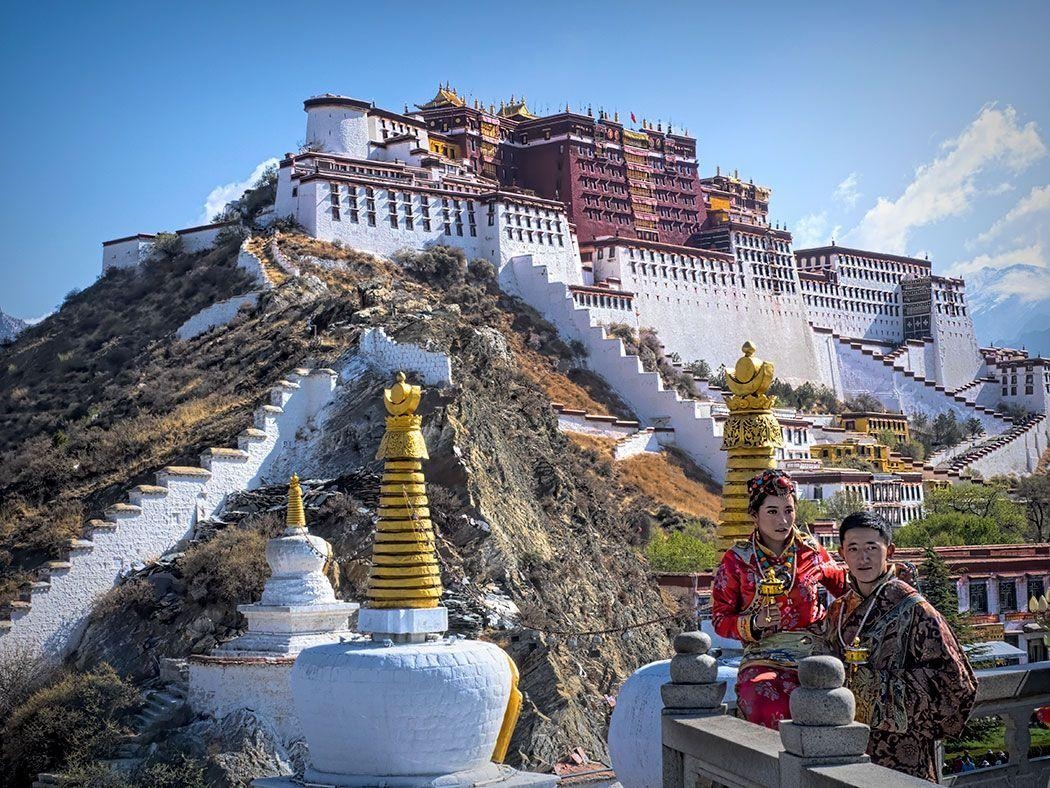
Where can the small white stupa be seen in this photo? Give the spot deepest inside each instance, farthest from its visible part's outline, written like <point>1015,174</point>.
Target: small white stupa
<point>409,707</point>
<point>298,609</point>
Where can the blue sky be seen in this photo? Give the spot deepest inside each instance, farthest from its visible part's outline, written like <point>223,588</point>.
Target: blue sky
<point>911,128</point>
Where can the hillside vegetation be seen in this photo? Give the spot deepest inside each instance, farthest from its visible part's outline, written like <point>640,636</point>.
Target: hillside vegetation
<point>522,512</point>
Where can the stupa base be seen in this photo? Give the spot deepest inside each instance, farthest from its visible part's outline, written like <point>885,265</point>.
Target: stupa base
<point>495,775</point>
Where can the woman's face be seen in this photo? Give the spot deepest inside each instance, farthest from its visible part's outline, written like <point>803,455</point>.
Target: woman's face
<point>775,518</point>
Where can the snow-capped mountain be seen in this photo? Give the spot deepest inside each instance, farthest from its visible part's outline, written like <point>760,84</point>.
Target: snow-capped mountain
<point>1011,307</point>
<point>10,327</point>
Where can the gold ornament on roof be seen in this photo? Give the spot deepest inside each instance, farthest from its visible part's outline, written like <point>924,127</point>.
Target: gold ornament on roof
<point>296,515</point>
<point>405,571</point>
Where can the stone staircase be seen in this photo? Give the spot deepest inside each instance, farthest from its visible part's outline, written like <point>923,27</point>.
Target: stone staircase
<point>262,249</point>
<point>685,423</point>
<point>156,517</point>
<point>994,444</point>
<point>952,400</point>
<point>165,706</point>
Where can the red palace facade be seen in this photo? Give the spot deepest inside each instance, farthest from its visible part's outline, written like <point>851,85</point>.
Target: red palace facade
<point>614,181</point>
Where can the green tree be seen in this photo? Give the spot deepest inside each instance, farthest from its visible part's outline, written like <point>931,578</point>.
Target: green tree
<point>1033,492</point>
<point>680,551</point>
<point>699,369</point>
<point>806,512</point>
<point>856,463</point>
<point>973,426</point>
<point>953,528</point>
<point>990,501</point>
<point>946,430</point>
<point>865,403</point>
<point>842,504</point>
<point>936,584</point>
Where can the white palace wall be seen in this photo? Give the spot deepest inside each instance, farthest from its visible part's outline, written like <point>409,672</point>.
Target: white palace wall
<point>711,320</point>
<point>496,235</point>
<point>1019,456</point>
<point>695,431</point>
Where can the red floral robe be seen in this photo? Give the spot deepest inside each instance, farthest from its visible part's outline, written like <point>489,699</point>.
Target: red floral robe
<point>768,673</point>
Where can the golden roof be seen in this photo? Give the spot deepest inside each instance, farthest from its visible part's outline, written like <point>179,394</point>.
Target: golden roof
<point>515,109</point>
<point>446,97</point>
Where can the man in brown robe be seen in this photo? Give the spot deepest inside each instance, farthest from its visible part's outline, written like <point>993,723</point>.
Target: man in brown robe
<point>905,666</point>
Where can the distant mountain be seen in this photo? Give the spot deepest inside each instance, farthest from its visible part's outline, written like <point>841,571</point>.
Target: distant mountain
<point>1011,307</point>
<point>10,327</point>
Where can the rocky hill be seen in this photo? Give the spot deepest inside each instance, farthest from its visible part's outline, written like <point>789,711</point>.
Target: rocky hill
<point>10,327</point>
<point>540,537</point>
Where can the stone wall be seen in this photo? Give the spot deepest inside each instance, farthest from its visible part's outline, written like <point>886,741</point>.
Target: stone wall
<point>218,314</point>
<point>218,686</point>
<point>157,517</point>
<point>386,356</point>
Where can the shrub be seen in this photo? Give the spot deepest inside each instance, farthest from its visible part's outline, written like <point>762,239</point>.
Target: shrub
<point>437,265</point>
<point>167,245</point>
<point>482,270</point>
<point>229,568</point>
<point>78,719</point>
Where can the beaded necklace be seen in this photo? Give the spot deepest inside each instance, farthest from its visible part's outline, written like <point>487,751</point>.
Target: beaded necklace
<point>763,562</point>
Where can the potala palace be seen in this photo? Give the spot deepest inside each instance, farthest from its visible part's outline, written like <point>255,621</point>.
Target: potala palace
<point>592,223</point>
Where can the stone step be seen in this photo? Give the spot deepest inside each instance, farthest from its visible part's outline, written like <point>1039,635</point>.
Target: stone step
<point>118,509</point>
<point>58,565</point>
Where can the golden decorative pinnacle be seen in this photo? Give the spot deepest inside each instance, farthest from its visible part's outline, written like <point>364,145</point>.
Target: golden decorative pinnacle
<point>405,571</point>
<point>750,436</point>
<point>296,517</point>
<point>750,375</point>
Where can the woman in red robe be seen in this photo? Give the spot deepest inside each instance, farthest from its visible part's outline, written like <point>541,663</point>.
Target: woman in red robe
<point>775,636</point>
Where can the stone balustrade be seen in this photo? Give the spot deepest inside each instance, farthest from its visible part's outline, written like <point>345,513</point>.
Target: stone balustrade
<point>820,746</point>
<point>1012,693</point>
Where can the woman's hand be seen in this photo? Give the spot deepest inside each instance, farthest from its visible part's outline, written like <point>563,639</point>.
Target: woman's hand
<point>768,618</point>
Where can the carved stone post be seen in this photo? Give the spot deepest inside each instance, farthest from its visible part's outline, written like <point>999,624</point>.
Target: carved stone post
<point>821,730</point>
<point>694,691</point>
<point>750,436</point>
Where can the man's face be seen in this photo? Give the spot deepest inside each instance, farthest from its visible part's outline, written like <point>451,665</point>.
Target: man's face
<point>866,553</point>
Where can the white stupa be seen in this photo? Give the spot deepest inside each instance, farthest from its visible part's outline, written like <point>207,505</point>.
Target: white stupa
<point>409,707</point>
<point>298,609</point>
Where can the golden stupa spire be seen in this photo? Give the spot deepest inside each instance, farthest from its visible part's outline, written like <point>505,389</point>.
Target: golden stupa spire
<point>751,437</point>
<point>405,571</point>
<point>296,517</point>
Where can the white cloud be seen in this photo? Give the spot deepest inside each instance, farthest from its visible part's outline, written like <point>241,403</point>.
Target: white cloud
<point>946,186</point>
<point>1035,202</point>
<point>812,230</point>
<point>221,195</point>
<point>1027,255</point>
<point>846,192</point>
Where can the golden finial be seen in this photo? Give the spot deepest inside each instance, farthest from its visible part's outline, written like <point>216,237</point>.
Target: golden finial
<point>296,517</point>
<point>771,587</point>
<point>750,375</point>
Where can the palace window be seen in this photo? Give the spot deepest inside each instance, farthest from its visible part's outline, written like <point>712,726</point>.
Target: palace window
<point>978,596</point>
<point>1035,587</point>
<point>1007,596</point>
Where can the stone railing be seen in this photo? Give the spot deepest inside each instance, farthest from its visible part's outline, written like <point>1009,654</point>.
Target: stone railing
<point>820,745</point>
<point>1012,694</point>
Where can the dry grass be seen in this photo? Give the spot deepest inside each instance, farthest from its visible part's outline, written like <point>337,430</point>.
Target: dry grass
<point>556,386</point>
<point>603,447</point>
<point>671,478</point>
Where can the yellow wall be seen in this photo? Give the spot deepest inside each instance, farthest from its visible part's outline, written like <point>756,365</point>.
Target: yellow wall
<point>446,149</point>
<point>875,453</point>
<point>875,424</point>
